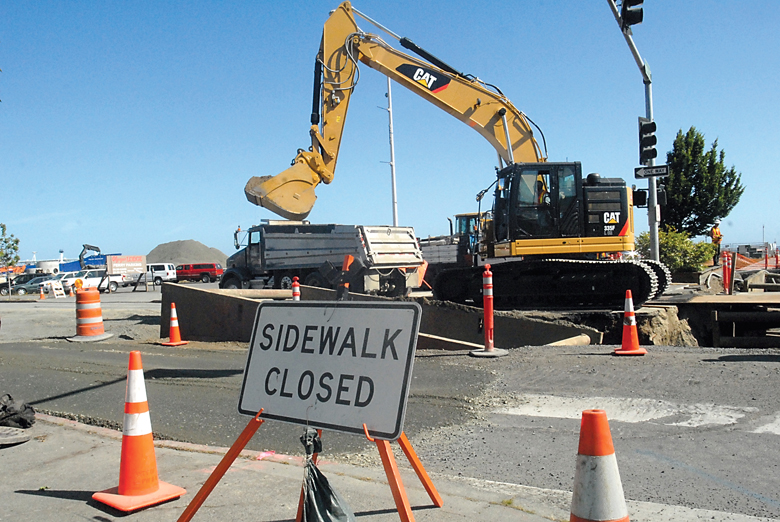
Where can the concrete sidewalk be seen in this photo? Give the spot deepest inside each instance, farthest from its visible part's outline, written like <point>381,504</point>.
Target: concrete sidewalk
<point>53,476</point>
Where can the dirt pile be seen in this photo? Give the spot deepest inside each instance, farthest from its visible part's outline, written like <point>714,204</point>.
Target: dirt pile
<point>186,251</point>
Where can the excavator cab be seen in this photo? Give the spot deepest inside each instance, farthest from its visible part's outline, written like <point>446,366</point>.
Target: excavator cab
<point>551,202</point>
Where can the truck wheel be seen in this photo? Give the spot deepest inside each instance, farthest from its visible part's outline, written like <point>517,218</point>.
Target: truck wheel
<point>283,281</point>
<point>157,281</point>
<point>112,286</point>
<point>231,284</point>
<point>205,278</point>
<point>316,279</point>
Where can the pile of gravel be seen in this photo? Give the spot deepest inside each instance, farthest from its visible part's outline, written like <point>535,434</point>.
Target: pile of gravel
<point>187,251</point>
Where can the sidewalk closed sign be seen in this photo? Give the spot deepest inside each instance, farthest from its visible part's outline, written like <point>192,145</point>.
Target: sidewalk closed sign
<point>332,364</point>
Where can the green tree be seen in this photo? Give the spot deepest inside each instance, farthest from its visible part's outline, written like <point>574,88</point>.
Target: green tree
<point>9,248</point>
<point>699,189</point>
<point>676,250</point>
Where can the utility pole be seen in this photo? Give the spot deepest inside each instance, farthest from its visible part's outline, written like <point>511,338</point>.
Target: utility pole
<point>631,14</point>
<point>392,152</point>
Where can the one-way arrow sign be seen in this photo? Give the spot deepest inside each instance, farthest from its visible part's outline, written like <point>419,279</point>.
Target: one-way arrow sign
<point>647,172</point>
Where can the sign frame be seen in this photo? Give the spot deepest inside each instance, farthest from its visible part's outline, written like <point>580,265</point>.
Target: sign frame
<point>266,362</point>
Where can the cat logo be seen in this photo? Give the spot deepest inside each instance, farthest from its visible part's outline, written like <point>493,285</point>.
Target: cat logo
<point>611,217</point>
<point>432,80</point>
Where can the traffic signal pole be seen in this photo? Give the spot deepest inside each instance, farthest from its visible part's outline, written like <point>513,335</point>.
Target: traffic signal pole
<point>653,211</point>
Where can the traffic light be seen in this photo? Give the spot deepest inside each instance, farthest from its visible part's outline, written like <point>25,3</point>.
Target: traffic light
<point>647,141</point>
<point>631,13</point>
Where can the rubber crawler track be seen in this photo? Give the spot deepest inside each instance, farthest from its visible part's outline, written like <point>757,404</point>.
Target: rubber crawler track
<point>562,284</point>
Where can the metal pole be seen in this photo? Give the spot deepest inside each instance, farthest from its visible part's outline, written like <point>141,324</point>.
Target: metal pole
<point>653,212</point>
<point>392,153</point>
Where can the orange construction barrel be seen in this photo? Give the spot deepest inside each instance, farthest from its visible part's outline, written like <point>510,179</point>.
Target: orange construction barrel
<point>89,316</point>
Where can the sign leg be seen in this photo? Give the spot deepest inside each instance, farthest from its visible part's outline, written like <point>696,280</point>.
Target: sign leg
<point>394,479</point>
<point>427,483</point>
<point>221,469</point>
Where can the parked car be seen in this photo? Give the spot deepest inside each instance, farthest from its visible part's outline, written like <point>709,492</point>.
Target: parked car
<point>31,286</point>
<point>92,278</point>
<point>205,272</point>
<point>24,278</point>
<point>47,285</point>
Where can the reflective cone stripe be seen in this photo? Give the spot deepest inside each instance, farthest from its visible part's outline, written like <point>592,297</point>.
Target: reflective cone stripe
<point>138,468</point>
<point>598,491</point>
<point>174,333</point>
<point>89,316</point>
<point>629,317</point>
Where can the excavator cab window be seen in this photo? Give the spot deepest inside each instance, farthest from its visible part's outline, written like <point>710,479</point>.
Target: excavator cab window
<point>568,209</point>
<point>532,203</point>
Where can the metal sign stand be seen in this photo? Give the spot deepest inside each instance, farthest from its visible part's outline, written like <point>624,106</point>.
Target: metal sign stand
<point>385,452</point>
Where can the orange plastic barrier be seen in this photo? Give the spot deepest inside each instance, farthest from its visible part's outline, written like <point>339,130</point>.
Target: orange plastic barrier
<point>89,315</point>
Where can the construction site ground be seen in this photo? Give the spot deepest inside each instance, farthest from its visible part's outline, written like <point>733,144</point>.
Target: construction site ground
<point>695,428</point>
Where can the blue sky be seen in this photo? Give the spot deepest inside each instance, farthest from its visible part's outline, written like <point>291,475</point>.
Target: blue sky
<point>129,124</point>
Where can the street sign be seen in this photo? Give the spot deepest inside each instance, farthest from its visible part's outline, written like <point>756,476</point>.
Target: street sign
<point>332,364</point>
<point>651,172</point>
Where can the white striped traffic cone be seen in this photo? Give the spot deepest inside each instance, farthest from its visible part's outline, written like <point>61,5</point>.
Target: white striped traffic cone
<point>630,344</point>
<point>139,486</point>
<point>598,492</point>
<point>174,334</point>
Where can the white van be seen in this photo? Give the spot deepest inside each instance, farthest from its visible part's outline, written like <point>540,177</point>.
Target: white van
<point>158,272</point>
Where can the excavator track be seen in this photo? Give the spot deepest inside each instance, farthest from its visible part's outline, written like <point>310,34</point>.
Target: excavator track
<point>663,274</point>
<point>561,284</point>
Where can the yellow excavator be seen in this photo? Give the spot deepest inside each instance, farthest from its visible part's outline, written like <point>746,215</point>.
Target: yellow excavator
<point>554,238</point>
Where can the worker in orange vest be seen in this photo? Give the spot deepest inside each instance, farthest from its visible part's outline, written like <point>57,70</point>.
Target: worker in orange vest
<point>717,238</point>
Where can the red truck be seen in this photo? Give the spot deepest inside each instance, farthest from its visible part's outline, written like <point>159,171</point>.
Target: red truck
<point>205,272</point>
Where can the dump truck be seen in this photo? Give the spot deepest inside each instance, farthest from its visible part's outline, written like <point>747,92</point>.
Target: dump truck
<point>388,260</point>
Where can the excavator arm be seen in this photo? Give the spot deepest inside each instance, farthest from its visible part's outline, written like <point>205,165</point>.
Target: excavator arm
<point>291,193</point>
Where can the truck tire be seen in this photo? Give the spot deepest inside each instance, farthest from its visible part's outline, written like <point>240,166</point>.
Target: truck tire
<point>283,280</point>
<point>157,281</point>
<point>205,278</point>
<point>316,279</point>
<point>231,284</point>
<point>112,286</point>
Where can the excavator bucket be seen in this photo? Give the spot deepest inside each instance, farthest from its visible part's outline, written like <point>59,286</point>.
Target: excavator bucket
<point>289,194</point>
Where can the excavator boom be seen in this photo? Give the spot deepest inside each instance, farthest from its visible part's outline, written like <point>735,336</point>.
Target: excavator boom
<point>291,193</point>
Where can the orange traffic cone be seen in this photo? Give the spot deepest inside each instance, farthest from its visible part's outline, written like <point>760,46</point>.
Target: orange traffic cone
<point>71,291</point>
<point>42,295</point>
<point>598,492</point>
<point>139,486</point>
<point>630,336</point>
<point>174,334</point>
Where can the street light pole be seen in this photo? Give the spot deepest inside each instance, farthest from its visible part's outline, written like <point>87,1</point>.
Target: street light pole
<point>653,211</point>
<point>392,153</point>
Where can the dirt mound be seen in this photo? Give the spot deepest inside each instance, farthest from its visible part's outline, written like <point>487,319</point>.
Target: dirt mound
<point>186,251</point>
